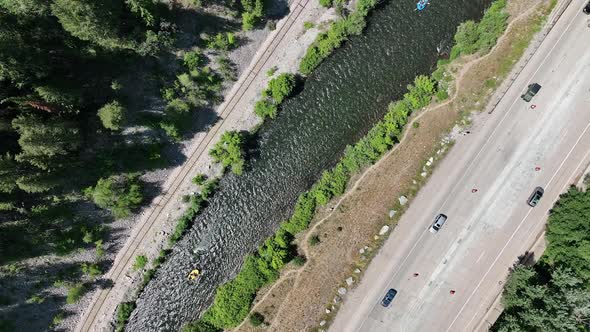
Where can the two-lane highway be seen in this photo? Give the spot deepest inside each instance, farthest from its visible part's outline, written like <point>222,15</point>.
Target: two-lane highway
<point>505,157</point>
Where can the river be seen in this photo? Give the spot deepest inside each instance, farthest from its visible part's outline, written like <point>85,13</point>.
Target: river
<point>338,104</point>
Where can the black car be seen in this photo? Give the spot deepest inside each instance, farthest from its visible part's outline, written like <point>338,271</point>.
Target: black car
<point>531,92</point>
<point>391,293</point>
<point>586,9</point>
<point>535,196</point>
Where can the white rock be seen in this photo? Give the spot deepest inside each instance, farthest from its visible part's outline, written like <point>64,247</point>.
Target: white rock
<point>384,230</point>
<point>349,281</point>
<point>361,251</point>
<point>322,323</point>
<point>366,248</point>
<point>336,300</point>
<point>376,237</point>
<point>423,174</point>
<point>328,311</point>
<point>357,271</point>
<point>428,163</point>
<point>403,200</point>
<point>431,160</point>
<point>342,291</point>
<point>392,213</point>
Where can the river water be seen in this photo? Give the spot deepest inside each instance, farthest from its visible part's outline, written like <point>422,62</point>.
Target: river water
<point>339,103</point>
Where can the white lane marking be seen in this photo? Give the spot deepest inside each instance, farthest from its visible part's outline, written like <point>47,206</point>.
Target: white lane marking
<point>567,183</point>
<point>474,159</point>
<point>480,256</point>
<point>516,231</point>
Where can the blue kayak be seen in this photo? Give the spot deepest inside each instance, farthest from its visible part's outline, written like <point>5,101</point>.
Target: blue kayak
<point>421,4</point>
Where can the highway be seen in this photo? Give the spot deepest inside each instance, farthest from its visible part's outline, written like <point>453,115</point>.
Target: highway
<point>508,154</point>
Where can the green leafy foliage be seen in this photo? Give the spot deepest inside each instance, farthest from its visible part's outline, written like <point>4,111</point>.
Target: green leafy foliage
<point>474,37</point>
<point>119,194</point>
<point>553,295</point>
<point>123,313</point>
<point>75,292</point>
<point>253,12</point>
<point>199,179</point>
<point>228,151</point>
<point>222,41</point>
<point>266,108</point>
<point>112,115</point>
<point>339,31</point>
<point>256,319</point>
<point>281,87</point>
<point>91,270</point>
<point>140,262</point>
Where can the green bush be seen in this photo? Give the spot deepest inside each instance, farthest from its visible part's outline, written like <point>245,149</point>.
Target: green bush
<point>123,313</point>
<point>140,262</point>
<point>474,37</point>
<point>75,292</point>
<point>194,59</point>
<point>248,21</point>
<point>222,41</point>
<point>112,115</point>
<point>308,25</point>
<point>228,151</point>
<point>314,240</point>
<point>256,319</point>
<point>265,108</point>
<point>299,260</point>
<point>326,3</point>
<point>272,71</point>
<point>281,87</point>
<point>119,194</point>
<point>57,319</point>
<point>199,179</point>
<point>91,270</point>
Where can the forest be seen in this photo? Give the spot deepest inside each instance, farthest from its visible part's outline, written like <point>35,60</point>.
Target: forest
<point>553,295</point>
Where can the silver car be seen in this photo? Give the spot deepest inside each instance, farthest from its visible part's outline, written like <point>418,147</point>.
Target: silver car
<point>439,221</point>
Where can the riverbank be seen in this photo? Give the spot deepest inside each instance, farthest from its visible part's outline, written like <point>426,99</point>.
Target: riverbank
<point>353,221</point>
<point>147,233</point>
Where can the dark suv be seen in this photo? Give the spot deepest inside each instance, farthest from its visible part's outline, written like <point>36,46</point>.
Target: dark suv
<point>586,9</point>
<point>391,293</point>
<point>535,196</point>
<point>531,92</point>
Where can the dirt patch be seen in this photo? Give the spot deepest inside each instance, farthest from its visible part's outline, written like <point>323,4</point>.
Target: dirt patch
<point>350,228</point>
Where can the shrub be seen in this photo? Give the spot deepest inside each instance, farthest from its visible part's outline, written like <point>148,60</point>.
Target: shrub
<point>416,124</point>
<point>199,179</point>
<point>265,108</point>
<point>200,326</point>
<point>75,292</point>
<point>228,151</point>
<point>281,87</point>
<point>37,299</point>
<point>91,270</point>
<point>442,94</point>
<point>272,71</point>
<point>57,319</point>
<point>326,3</point>
<point>299,260</point>
<point>222,41</point>
<point>99,249</point>
<point>308,25</point>
<point>314,240</point>
<point>194,59</point>
<point>248,21</point>
<point>123,313</point>
<point>112,115</point>
<point>140,262</point>
<point>119,194</point>
<point>256,319</point>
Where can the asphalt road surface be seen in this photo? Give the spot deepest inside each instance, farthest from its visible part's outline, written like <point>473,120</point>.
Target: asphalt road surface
<point>488,229</point>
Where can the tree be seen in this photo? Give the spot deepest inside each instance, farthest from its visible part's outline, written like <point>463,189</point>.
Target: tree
<point>281,87</point>
<point>228,151</point>
<point>45,141</point>
<point>8,174</point>
<point>93,21</point>
<point>112,115</point>
<point>119,194</point>
<point>264,108</point>
<point>26,7</point>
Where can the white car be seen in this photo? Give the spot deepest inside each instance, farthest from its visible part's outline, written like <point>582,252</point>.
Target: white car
<point>439,221</point>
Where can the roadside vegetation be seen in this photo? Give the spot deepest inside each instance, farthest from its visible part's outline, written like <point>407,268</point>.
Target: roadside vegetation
<point>553,295</point>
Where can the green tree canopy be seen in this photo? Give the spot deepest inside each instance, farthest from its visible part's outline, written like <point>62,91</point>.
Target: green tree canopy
<point>90,20</point>
<point>120,194</point>
<point>112,115</point>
